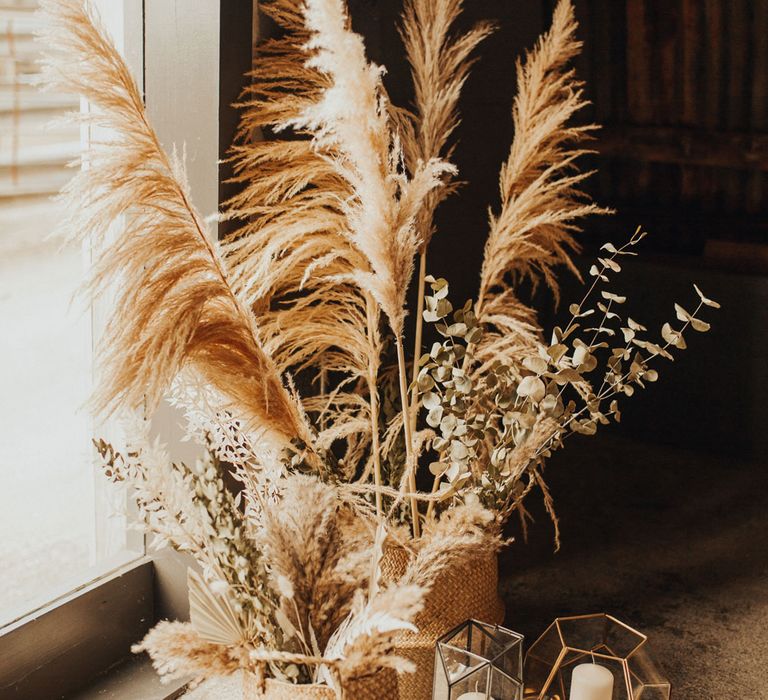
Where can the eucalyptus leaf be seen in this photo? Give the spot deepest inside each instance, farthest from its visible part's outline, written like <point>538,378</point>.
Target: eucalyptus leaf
<point>628,334</point>
<point>531,387</point>
<point>434,417</point>
<point>535,364</point>
<point>704,300</point>
<point>673,337</point>
<point>613,297</point>
<point>698,325</point>
<point>431,400</point>
<point>459,450</point>
<point>448,424</point>
<point>681,313</point>
<point>557,351</point>
<point>438,468</point>
<point>457,329</point>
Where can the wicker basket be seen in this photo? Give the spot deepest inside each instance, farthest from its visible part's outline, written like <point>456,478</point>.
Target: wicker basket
<point>467,590</point>
<point>380,686</point>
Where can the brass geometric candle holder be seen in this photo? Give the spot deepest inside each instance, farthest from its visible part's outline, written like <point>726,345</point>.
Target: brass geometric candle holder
<point>592,657</point>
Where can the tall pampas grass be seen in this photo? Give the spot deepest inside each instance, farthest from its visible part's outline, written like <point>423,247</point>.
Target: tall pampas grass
<point>175,305</point>
<point>440,65</point>
<point>541,203</point>
<point>290,246</point>
<point>352,118</point>
<point>352,209</point>
<point>330,221</point>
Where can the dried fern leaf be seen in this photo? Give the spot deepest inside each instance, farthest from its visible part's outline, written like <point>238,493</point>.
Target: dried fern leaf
<point>178,651</point>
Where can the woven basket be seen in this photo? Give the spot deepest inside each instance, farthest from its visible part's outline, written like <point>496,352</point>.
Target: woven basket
<point>467,590</point>
<point>380,686</point>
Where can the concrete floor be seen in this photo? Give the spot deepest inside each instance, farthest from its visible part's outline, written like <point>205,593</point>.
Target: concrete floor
<point>671,541</point>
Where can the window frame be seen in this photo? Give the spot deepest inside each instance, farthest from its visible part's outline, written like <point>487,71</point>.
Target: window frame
<point>174,48</point>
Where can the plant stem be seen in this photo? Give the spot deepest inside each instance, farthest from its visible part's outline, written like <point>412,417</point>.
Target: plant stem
<point>410,463</point>
<point>373,391</point>
<point>431,506</point>
<point>418,339</point>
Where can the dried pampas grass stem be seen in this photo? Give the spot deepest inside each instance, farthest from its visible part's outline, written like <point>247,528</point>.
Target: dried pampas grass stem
<point>440,65</point>
<point>175,305</point>
<point>541,203</point>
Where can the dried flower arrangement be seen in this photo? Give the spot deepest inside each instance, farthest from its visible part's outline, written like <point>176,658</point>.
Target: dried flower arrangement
<point>277,342</point>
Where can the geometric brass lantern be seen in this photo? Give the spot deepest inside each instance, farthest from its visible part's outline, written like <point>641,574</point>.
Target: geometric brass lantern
<point>592,639</point>
<point>476,660</point>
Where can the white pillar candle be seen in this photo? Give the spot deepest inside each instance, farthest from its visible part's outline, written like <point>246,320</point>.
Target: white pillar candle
<point>473,696</point>
<point>591,682</point>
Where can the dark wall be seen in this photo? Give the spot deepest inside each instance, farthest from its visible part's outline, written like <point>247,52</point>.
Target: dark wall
<point>681,88</point>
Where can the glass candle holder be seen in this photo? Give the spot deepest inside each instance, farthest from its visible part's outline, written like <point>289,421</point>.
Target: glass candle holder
<point>592,657</point>
<point>477,661</point>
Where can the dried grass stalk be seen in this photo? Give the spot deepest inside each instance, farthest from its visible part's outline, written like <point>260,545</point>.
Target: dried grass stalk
<point>321,549</point>
<point>175,305</point>
<point>541,202</point>
<point>440,65</point>
<point>291,247</point>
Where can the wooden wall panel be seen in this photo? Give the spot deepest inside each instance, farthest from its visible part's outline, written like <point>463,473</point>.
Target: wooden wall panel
<point>683,136</point>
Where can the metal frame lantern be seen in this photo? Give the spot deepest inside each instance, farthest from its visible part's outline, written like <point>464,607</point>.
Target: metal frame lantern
<point>592,657</point>
<point>478,661</point>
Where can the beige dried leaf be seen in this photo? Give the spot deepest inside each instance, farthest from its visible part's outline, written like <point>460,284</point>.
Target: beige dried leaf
<point>212,615</point>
